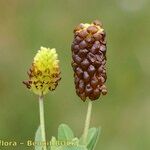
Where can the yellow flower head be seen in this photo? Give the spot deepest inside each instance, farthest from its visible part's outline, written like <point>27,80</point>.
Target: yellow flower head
<point>44,73</point>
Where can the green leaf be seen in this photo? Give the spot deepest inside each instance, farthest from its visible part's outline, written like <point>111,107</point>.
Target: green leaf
<point>38,138</point>
<point>93,136</point>
<point>53,146</point>
<point>65,133</point>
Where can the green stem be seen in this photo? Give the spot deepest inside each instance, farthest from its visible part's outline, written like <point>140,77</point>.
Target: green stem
<point>87,122</point>
<point>42,122</point>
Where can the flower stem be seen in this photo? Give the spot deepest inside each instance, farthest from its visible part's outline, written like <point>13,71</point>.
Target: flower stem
<point>42,122</point>
<point>87,122</point>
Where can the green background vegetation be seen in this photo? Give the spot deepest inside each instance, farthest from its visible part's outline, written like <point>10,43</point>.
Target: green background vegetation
<point>123,114</point>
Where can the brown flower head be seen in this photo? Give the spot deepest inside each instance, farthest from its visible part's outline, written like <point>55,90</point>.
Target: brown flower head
<point>89,60</point>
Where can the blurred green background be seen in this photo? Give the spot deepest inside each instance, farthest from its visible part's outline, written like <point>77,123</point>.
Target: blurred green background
<point>123,114</point>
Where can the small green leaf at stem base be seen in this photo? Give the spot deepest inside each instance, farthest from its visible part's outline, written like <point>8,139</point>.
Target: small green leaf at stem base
<point>38,139</point>
<point>65,133</point>
<point>92,138</point>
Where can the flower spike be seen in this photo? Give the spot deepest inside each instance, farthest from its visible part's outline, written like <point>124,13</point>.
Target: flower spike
<point>44,73</point>
<point>89,60</point>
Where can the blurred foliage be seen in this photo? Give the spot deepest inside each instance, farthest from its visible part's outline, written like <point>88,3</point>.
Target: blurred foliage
<point>123,114</point>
